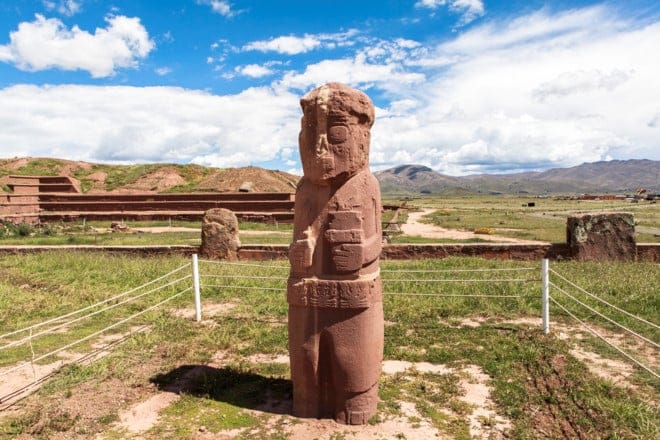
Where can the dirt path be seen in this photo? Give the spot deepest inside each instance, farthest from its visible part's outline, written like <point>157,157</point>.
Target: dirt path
<point>484,422</point>
<point>414,227</point>
<point>161,229</point>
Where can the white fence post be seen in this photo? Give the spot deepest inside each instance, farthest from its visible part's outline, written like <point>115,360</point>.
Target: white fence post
<point>198,299</point>
<point>545,294</point>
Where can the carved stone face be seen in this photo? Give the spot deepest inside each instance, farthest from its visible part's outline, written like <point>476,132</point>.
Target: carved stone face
<point>335,133</point>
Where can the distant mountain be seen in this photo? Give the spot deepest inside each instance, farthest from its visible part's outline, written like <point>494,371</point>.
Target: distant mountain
<point>153,178</point>
<point>416,179</point>
<point>616,176</point>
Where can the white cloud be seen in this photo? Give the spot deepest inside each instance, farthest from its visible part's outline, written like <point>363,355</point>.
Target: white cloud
<point>654,122</point>
<point>541,90</point>
<point>48,43</point>
<point>379,64</point>
<point>221,7</point>
<point>469,9</point>
<point>253,70</point>
<point>64,7</point>
<point>138,124</point>
<point>538,91</point>
<point>293,45</point>
<point>162,71</point>
<point>288,45</point>
<point>355,71</point>
<point>581,81</point>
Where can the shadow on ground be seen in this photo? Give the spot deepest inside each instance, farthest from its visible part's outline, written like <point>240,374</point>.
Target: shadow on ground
<point>234,386</point>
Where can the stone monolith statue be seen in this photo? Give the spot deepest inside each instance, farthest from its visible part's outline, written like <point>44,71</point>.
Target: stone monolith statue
<point>220,239</point>
<point>334,289</point>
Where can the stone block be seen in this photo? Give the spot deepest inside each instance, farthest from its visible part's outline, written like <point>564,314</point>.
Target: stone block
<point>601,237</point>
<point>220,235</point>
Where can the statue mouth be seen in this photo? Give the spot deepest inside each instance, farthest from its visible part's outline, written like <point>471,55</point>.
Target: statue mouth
<point>326,163</point>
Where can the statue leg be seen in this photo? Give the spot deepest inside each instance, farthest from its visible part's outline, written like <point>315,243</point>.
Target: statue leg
<point>356,366</point>
<point>310,367</point>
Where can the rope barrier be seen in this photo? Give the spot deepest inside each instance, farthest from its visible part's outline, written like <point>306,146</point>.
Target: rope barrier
<point>245,277</point>
<point>384,293</point>
<point>385,280</point>
<point>123,321</point>
<point>73,321</point>
<point>502,280</point>
<point>228,263</point>
<point>451,295</point>
<point>605,302</point>
<point>605,317</point>
<point>17,395</point>
<point>41,324</point>
<point>506,269</point>
<point>246,287</point>
<point>598,335</point>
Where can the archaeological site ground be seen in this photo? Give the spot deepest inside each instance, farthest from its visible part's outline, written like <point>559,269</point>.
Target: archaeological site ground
<point>99,336</point>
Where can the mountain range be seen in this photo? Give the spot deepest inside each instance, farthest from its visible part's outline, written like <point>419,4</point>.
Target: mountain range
<point>616,176</point>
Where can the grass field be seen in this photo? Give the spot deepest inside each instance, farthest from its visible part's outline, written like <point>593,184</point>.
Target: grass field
<point>546,221</point>
<point>506,216</point>
<point>538,383</point>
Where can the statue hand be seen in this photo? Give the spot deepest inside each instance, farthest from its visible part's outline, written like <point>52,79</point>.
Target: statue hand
<point>300,255</point>
<point>347,257</point>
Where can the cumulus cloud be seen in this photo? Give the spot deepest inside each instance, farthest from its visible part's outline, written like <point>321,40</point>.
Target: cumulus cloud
<point>544,89</point>
<point>540,90</point>
<point>581,81</point>
<point>138,124</point>
<point>293,45</point>
<point>379,64</point>
<point>469,9</point>
<point>254,70</point>
<point>64,7</point>
<point>355,71</point>
<point>47,43</point>
<point>221,7</point>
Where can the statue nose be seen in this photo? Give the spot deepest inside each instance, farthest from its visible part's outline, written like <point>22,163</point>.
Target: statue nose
<point>322,144</point>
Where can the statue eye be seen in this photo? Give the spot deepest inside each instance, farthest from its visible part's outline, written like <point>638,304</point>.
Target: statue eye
<point>337,134</point>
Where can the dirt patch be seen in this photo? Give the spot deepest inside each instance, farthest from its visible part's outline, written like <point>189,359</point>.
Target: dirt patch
<point>612,370</point>
<point>268,358</point>
<point>31,376</point>
<point>484,422</point>
<point>410,426</point>
<point>156,181</point>
<point>415,228</point>
<point>209,310</point>
<point>163,229</point>
<point>144,415</point>
<point>394,367</point>
<point>615,370</point>
<point>98,181</point>
<point>262,180</point>
<point>17,163</point>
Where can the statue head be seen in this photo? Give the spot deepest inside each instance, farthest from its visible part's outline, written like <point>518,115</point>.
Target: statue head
<point>335,133</point>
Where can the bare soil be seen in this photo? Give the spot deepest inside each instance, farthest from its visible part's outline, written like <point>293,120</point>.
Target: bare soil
<point>485,423</point>
<point>156,181</point>
<point>414,227</point>
<point>262,180</point>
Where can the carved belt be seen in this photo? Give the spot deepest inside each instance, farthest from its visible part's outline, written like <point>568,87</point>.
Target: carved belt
<point>345,294</point>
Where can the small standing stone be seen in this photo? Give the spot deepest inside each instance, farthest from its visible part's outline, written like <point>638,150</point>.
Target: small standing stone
<point>220,235</point>
<point>602,237</point>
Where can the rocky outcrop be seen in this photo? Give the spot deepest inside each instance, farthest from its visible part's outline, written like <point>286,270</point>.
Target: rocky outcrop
<point>602,237</point>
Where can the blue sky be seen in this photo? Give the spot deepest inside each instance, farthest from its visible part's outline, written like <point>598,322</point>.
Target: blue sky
<point>462,86</point>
